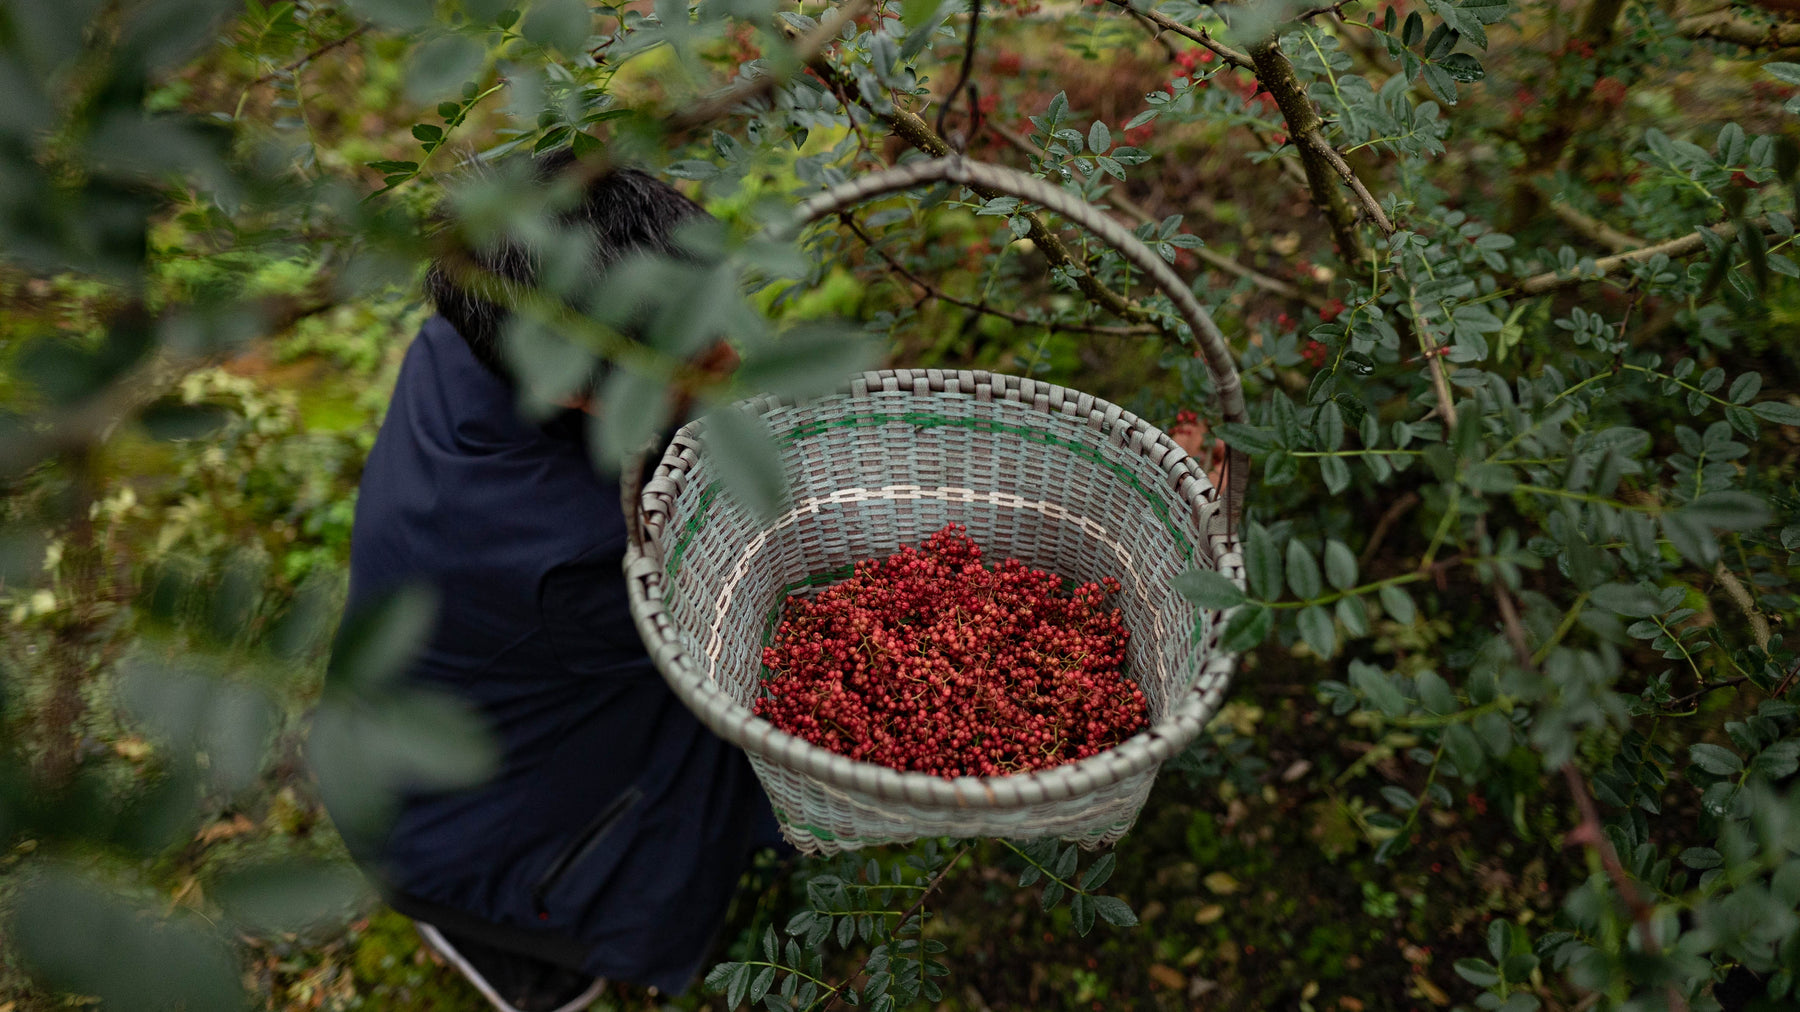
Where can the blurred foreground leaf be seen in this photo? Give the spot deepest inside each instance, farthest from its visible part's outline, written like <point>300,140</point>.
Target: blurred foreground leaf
<point>81,939</point>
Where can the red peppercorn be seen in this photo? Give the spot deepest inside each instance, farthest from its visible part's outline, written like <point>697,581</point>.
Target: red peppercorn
<point>930,661</point>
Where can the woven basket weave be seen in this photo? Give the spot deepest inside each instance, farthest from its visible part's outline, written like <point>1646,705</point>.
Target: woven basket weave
<point>1058,479</point>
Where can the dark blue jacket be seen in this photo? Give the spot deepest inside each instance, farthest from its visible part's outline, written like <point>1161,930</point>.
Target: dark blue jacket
<point>617,827</point>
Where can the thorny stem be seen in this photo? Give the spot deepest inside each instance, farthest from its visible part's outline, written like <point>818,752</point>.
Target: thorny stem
<point>1589,832</point>
<point>1550,281</point>
<point>1305,127</point>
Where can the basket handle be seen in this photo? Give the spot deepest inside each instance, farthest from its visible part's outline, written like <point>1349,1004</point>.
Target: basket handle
<point>999,178</point>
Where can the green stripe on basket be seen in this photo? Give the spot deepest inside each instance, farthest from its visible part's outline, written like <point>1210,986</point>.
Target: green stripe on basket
<point>692,527</point>
<point>929,420</point>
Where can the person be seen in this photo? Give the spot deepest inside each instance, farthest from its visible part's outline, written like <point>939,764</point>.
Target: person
<point>611,839</point>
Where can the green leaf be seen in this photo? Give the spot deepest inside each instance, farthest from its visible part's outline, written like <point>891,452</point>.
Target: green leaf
<point>1464,749</point>
<point>1379,689</point>
<point>379,641</point>
<point>401,15</point>
<point>1251,439</point>
<point>561,24</point>
<point>1081,913</point>
<point>1209,588</point>
<point>1398,604</point>
<point>1495,479</point>
<point>1731,511</point>
<point>1318,631</point>
<point>808,360</point>
<point>1787,72</point>
<point>1303,571</point>
<point>747,459</point>
<point>1099,138</point>
<point>230,722</point>
<point>289,895</point>
<point>1745,387</point>
<point>1462,68</point>
<point>440,67</point>
<point>1624,599</point>
<point>633,408</point>
<point>1336,473</point>
<point>1717,760</point>
<point>1099,871</point>
<point>1262,563</point>
<point>1340,565</point>
<point>1701,858</point>
<point>1479,972</point>
<point>737,984</point>
<point>1115,911</point>
<point>760,986</point>
<point>80,938</point>
<point>1247,629</point>
<point>1693,539</point>
<point>1434,693</point>
<point>1778,412</point>
<point>915,13</point>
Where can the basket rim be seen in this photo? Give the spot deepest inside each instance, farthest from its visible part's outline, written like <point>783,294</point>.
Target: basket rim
<point>1187,712</point>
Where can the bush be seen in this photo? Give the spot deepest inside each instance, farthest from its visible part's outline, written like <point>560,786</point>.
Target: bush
<point>1510,284</point>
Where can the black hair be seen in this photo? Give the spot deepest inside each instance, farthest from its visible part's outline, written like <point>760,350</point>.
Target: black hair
<point>621,211</point>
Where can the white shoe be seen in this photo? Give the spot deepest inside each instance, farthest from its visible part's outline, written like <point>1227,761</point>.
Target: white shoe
<point>512,982</point>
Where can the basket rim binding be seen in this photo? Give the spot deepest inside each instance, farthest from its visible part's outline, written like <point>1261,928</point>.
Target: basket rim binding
<point>1183,719</point>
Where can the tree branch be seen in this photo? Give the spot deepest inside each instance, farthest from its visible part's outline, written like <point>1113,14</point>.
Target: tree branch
<point>1199,35</point>
<point>1740,596</point>
<point>311,56</point>
<point>1726,26</point>
<point>1589,227</point>
<point>1211,257</point>
<point>1305,126</point>
<point>1690,243</point>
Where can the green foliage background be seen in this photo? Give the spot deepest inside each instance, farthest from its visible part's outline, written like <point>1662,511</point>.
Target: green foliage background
<point>1512,288</point>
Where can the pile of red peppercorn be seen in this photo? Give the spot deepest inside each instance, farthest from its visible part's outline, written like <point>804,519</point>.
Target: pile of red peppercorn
<point>930,661</point>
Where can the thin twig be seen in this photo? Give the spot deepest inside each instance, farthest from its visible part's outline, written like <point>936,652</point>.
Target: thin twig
<point>1694,697</point>
<point>309,57</point>
<point>933,884</point>
<point>962,77</point>
<point>1214,258</point>
<point>1588,226</point>
<point>1590,834</point>
<point>1691,243</point>
<point>1200,35</point>
<point>1389,517</point>
<point>1740,596</point>
<point>1590,831</point>
<point>931,291</point>
<point>1726,26</point>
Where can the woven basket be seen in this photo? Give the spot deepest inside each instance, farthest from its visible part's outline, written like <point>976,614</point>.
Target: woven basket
<point>1058,479</point>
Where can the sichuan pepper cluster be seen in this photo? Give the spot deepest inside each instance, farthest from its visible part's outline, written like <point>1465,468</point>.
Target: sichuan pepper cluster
<point>930,661</point>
